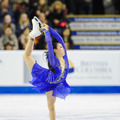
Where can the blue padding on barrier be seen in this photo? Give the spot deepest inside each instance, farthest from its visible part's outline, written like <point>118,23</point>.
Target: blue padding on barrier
<point>97,47</point>
<point>74,89</point>
<point>96,33</point>
<point>95,89</point>
<point>94,19</point>
<point>17,90</point>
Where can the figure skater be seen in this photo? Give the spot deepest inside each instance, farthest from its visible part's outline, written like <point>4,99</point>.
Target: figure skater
<point>52,80</point>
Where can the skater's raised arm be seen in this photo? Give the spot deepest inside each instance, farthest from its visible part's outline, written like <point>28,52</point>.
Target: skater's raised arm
<point>51,56</point>
<point>58,38</point>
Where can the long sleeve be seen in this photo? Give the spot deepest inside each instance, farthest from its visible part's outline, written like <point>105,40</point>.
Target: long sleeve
<point>58,38</point>
<point>51,56</point>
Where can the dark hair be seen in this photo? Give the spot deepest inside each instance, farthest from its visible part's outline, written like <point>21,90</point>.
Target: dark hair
<point>24,4</point>
<point>7,28</point>
<point>54,43</point>
<point>5,45</point>
<point>25,29</point>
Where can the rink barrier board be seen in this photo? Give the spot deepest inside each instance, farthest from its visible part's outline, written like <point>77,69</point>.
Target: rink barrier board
<point>93,15</point>
<point>86,29</point>
<point>93,18</point>
<point>89,68</point>
<point>96,47</point>
<point>96,40</point>
<point>99,43</point>
<point>74,90</point>
<point>96,33</point>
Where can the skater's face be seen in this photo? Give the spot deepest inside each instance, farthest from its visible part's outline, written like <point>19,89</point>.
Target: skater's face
<point>60,50</point>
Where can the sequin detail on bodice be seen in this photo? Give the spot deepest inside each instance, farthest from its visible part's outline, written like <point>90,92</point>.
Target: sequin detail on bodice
<point>59,78</point>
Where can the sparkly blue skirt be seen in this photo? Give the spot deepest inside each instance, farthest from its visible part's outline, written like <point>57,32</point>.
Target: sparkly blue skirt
<point>40,75</point>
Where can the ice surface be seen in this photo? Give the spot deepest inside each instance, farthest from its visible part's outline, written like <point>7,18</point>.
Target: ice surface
<point>75,107</point>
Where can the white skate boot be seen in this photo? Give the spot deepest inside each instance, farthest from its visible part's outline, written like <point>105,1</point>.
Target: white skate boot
<point>36,28</point>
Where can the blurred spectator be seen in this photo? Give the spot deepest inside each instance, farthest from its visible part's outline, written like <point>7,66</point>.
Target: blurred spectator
<point>70,6</point>
<point>83,6</point>
<point>32,7</point>
<point>58,17</point>
<point>23,23</point>
<point>8,46</point>
<point>14,6</point>
<point>50,2</point>
<point>40,43</point>
<point>23,39</point>
<point>98,7</point>
<point>8,22</point>
<point>42,6</point>
<point>37,12</point>
<point>21,8</point>
<point>109,7</point>
<point>1,30</point>
<point>9,37</point>
<point>67,38</point>
<point>68,45</point>
<point>117,6</point>
<point>43,19</point>
<point>5,9</point>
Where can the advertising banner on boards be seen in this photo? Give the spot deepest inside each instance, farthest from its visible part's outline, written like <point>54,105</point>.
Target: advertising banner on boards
<point>87,68</point>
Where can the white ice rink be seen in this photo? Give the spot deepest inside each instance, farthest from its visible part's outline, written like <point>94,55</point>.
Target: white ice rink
<point>75,107</point>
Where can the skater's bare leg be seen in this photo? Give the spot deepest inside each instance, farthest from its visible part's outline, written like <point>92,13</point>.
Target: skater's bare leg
<point>51,105</point>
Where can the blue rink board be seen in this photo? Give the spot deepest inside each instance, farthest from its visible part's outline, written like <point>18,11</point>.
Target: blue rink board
<point>74,90</point>
<point>96,33</point>
<point>95,19</point>
<point>97,47</point>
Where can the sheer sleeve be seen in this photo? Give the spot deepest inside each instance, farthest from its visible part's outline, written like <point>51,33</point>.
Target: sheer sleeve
<point>51,57</point>
<point>58,38</point>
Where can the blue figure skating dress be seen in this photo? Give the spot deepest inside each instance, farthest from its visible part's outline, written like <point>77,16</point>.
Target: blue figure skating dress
<point>46,80</point>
